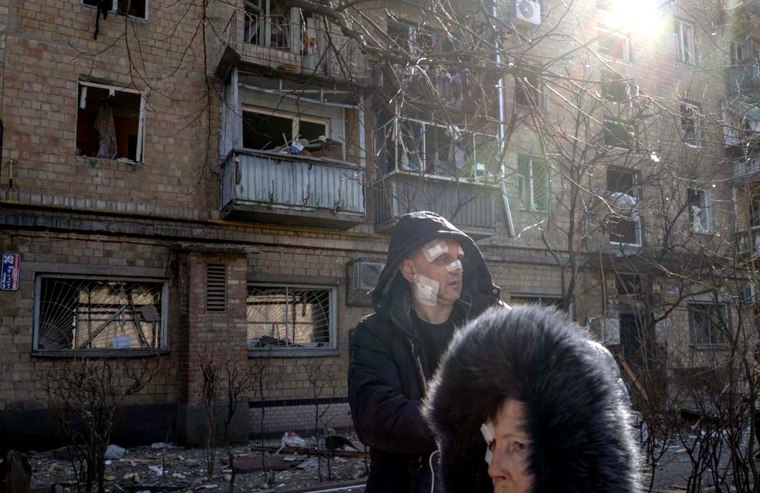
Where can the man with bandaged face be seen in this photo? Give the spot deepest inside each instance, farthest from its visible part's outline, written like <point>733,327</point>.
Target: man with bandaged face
<point>434,281</point>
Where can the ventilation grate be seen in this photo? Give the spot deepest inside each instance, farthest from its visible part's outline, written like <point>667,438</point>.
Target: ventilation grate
<point>216,287</point>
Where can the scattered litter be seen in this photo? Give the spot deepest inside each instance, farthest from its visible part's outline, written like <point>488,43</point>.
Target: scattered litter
<point>54,467</point>
<point>178,475</point>
<point>157,469</point>
<point>292,439</point>
<point>161,445</point>
<point>293,458</point>
<point>135,477</point>
<point>207,487</point>
<point>228,477</point>
<point>311,463</point>
<point>115,452</point>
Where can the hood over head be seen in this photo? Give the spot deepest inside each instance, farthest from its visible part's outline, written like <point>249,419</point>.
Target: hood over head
<point>577,421</point>
<point>415,229</point>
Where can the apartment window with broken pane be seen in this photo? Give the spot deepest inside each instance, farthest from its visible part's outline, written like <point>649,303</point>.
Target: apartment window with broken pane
<point>134,8</point>
<point>533,183</point>
<point>286,317</point>
<point>268,130</point>
<point>699,210</point>
<point>615,88</point>
<point>527,92</point>
<point>617,135</point>
<point>615,46</point>
<point>690,128</point>
<point>623,224</point>
<point>270,23</point>
<point>686,50</point>
<point>99,314</point>
<point>110,122</point>
<point>708,324</point>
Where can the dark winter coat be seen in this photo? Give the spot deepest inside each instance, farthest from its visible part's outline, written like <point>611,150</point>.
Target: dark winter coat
<point>577,418</point>
<point>388,370</point>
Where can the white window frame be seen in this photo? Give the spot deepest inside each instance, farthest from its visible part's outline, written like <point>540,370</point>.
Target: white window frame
<point>607,37</point>
<point>635,219</point>
<point>299,350</point>
<point>292,17</point>
<point>686,42</point>
<point>295,119</point>
<point>527,186</point>
<point>714,333</point>
<point>689,111</point>
<point>100,326</point>
<point>115,9</point>
<point>82,93</point>
<point>704,224</point>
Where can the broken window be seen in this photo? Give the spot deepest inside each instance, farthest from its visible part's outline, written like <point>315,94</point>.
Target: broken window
<point>708,324</point>
<point>533,185</point>
<point>110,122</point>
<point>615,46</point>
<point>270,131</point>
<point>134,8</point>
<point>617,89</point>
<point>624,223</point>
<point>527,92</point>
<point>699,210</point>
<point>97,314</point>
<point>291,317</point>
<point>690,131</point>
<point>617,135</point>
<point>434,148</point>
<point>270,23</point>
<point>686,50</point>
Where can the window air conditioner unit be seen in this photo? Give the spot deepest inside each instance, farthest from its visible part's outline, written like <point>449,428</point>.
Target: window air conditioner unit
<point>528,12</point>
<point>363,275</point>
<point>747,293</point>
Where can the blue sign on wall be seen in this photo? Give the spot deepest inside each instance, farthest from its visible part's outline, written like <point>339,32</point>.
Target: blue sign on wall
<point>10,270</point>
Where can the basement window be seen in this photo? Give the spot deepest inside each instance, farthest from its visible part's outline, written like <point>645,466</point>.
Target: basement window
<point>110,122</point>
<point>289,318</point>
<point>83,314</point>
<point>133,8</point>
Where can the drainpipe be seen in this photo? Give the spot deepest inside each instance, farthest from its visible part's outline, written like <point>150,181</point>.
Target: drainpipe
<point>502,137</point>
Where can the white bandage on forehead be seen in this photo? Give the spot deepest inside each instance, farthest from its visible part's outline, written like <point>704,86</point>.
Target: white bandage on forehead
<point>425,290</point>
<point>434,249</point>
<point>488,434</point>
<point>454,266</point>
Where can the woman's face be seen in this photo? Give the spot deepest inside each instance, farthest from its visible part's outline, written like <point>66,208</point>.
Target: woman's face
<point>510,450</point>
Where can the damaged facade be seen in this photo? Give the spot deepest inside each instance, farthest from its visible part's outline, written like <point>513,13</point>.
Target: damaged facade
<point>229,200</point>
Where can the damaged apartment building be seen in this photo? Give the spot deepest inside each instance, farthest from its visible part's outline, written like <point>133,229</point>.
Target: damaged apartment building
<point>183,186</point>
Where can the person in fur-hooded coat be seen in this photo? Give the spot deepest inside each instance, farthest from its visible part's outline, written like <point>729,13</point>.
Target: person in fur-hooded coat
<point>575,418</point>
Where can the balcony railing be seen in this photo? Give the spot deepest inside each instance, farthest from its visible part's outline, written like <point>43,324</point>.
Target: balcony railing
<point>467,203</point>
<point>743,78</point>
<point>294,43</point>
<point>288,189</point>
<point>746,168</point>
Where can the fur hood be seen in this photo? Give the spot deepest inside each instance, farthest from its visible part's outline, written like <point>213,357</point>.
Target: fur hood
<point>578,423</point>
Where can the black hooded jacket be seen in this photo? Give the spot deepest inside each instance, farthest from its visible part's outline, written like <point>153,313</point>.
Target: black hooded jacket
<point>577,417</point>
<point>388,370</point>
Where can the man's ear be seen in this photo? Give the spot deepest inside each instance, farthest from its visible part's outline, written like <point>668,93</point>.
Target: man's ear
<point>407,270</point>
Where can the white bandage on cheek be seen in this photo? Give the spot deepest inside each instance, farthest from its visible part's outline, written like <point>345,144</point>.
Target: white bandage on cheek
<point>434,249</point>
<point>454,266</point>
<point>488,434</point>
<point>425,290</point>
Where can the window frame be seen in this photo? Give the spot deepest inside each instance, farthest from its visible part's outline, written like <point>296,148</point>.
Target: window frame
<point>527,184</point>
<point>690,111</point>
<point>686,42</point>
<point>606,46</point>
<point>162,334</point>
<point>635,219</point>
<point>716,337</point>
<point>264,30</point>
<point>115,9</point>
<point>139,150</point>
<point>608,135</point>
<point>298,351</point>
<point>704,198</point>
<point>295,123</point>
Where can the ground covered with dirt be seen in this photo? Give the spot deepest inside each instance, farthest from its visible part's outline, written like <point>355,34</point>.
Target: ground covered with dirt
<point>163,467</point>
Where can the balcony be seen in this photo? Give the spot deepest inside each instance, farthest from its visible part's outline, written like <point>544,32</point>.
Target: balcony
<point>269,34</point>
<point>467,203</point>
<point>743,78</point>
<point>278,188</point>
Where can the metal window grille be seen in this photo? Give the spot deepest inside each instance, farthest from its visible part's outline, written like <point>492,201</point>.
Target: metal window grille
<point>216,287</point>
<point>708,324</point>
